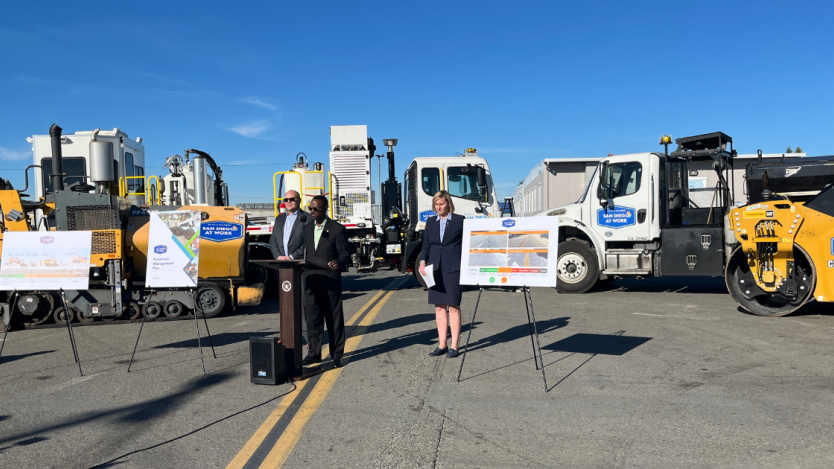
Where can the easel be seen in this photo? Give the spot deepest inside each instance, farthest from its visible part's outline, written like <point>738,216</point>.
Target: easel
<point>69,327</point>
<point>196,321</point>
<point>531,322</point>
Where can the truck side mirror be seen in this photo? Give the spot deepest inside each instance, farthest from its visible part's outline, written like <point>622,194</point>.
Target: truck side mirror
<point>482,181</point>
<point>602,187</point>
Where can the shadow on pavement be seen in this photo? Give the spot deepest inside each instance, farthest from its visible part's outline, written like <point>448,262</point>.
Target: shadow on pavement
<point>597,344</point>
<point>515,332</point>
<point>713,285</point>
<point>615,344</point>
<point>11,358</point>
<point>219,340</point>
<point>127,415</point>
<point>423,337</point>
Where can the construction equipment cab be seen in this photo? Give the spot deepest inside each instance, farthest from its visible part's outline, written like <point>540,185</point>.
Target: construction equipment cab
<point>638,216</point>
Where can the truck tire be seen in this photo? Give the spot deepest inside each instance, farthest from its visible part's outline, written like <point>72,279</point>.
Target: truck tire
<point>419,277</point>
<point>577,269</point>
<point>416,272</point>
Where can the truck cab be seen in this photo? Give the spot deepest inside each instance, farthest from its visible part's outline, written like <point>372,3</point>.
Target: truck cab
<point>637,217</point>
<point>468,180</point>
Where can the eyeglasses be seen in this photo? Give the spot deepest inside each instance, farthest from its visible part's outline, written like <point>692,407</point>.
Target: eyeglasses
<point>317,209</point>
<point>292,199</point>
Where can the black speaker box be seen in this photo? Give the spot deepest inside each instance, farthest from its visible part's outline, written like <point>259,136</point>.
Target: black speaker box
<point>266,360</point>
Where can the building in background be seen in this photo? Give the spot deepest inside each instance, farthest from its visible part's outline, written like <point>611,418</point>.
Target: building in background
<point>558,181</point>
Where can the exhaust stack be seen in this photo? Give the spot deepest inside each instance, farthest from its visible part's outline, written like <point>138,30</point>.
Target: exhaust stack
<point>57,175</point>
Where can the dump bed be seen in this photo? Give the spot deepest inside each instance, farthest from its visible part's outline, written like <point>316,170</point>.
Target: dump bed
<point>796,177</point>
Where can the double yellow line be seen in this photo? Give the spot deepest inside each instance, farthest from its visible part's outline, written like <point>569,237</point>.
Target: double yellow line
<point>358,325</point>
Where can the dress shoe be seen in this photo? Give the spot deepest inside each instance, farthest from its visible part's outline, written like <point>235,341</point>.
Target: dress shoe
<point>337,363</point>
<point>452,353</point>
<point>437,352</point>
<point>310,360</point>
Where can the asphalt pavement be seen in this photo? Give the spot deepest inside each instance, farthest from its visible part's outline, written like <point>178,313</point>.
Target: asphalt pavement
<point>653,373</point>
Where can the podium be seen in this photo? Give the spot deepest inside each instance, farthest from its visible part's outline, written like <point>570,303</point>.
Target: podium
<point>290,299</point>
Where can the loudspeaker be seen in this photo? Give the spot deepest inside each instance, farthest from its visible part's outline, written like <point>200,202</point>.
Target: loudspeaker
<point>266,360</point>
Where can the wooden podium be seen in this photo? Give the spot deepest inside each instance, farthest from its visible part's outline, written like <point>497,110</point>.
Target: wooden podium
<point>290,299</point>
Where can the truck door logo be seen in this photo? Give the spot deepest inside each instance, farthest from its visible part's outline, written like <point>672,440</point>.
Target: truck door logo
<point>424,216</point>
<point>220,231</point>
<point>691,261</point>
<point>706,240</point>
<point>616,218</point>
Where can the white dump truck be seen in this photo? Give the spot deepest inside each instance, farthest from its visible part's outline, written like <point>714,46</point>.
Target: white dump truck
<point>638,218</point>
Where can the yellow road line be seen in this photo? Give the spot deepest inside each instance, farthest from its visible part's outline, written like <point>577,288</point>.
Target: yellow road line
<point>252,445</point>
<point>255,441</point>
<point>282,449</point>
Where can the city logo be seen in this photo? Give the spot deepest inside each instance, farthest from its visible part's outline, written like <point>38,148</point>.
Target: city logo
<point>47,239</point>
<point>160,249</point>
<point>424,216</point>
<point>509,223</point>
<point>616,218</point>
<point>286,286</point>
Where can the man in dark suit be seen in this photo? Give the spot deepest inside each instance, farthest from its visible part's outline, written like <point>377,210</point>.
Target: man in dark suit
<point>287,238</point>
<point>326,255</point>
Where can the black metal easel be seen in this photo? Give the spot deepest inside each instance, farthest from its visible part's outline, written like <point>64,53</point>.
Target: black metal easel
<point>531,322</point>
<point>69,328</point>
<point>9,324</point>
<point>196,321</point>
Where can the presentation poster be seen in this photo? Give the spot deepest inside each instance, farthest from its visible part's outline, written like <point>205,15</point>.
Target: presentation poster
<point>40,260</point>
<point>173,249</point>
<point>510,251</point>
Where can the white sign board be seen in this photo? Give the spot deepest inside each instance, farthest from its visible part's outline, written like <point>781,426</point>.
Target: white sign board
<point>173,249</point>
<point>40,260</point>
<point>515,252</point>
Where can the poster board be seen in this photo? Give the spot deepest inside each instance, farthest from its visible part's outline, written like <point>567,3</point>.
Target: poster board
<point>173,249</point>
<point>45,260</point>
<point>518,252</point>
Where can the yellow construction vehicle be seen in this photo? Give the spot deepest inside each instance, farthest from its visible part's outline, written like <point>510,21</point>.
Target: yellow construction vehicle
<point>785,256</point>
<point>119,225</point>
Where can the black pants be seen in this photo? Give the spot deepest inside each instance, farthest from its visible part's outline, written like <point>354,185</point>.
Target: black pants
<point>323,305</point>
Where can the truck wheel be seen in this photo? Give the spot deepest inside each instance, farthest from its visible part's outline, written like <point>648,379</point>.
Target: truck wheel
<point>416,273</point>
<point>577,269</point>
<point>211,300</point>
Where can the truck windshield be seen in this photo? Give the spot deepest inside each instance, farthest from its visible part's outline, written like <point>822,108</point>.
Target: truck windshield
<point>463,185</point>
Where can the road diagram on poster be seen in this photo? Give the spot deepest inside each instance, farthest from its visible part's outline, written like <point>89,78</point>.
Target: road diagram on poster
<point>510,251</point>
<point>173,249</point>
<point>41,260</point>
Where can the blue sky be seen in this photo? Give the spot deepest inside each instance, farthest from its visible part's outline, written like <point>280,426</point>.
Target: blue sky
<point>254,84</point>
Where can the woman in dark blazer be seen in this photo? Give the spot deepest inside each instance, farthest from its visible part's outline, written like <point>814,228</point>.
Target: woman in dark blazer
<point>442,245</point>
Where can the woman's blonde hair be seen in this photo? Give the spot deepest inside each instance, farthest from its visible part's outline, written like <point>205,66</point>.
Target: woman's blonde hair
<point>443,195</point>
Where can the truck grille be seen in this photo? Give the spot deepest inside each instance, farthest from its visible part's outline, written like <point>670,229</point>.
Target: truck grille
<point>92,217</point>
<point>104,242</point>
